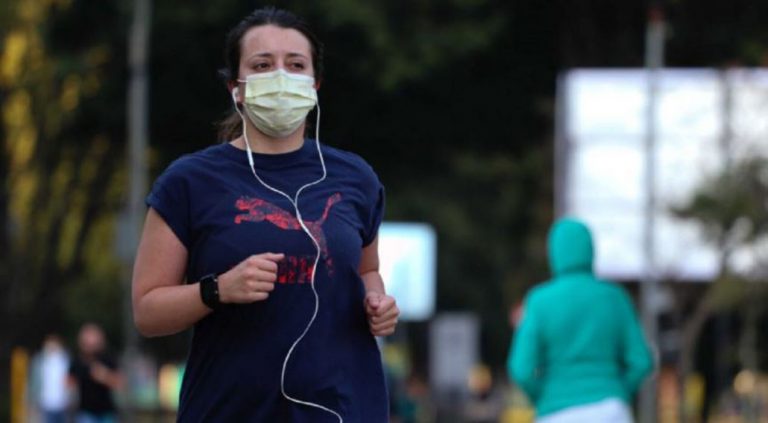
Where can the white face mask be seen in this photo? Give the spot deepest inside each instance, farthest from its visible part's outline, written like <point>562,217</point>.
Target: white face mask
<point>278,102</point>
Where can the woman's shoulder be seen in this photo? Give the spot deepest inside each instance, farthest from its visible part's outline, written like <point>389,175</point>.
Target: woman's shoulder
<point>348,159</point>
<point>189,163</point>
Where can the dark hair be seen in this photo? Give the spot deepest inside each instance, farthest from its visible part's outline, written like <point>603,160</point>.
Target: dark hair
<point>230,127</point>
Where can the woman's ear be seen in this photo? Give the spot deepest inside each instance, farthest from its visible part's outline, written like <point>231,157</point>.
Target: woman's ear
<point>234,91</point>
<point>317,84</point>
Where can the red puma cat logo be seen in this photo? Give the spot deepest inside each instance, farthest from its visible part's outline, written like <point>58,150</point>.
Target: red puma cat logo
<point>259,210</point>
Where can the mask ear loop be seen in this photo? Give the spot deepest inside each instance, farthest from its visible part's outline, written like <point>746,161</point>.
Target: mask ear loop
<point>295,202</point>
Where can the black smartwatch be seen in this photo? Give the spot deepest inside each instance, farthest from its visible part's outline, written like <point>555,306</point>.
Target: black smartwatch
<point>209,291</point>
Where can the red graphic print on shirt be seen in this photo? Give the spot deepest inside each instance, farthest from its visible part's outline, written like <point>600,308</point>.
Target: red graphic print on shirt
<point>291,269</point>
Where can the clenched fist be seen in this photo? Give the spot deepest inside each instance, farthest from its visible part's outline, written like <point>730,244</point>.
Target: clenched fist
<point>251,280</point>
<point>382,313</point>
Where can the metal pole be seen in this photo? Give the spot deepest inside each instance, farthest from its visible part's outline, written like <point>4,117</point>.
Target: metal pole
<point>562,146</point>
<point>727,111</point>
<point>138,134</point>
<point>654,58</point>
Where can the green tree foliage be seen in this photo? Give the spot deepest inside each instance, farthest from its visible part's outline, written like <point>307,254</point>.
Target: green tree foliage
<point>62,125</point>
<point>730,207</point>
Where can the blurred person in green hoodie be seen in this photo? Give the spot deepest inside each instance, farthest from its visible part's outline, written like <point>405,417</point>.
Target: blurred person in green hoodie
<point>579,353</point>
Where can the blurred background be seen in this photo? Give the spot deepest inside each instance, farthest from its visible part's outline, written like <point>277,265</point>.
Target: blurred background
<point>485,120</point>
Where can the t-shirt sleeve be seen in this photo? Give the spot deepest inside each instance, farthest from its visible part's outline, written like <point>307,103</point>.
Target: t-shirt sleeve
<point>169,197</point>
<point>375,214</point>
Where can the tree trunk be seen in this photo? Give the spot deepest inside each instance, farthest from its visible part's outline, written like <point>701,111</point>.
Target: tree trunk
<point>692,330</point>
<point>748,354</point>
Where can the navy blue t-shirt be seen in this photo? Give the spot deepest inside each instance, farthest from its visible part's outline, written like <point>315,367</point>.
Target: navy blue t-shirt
<point>222,215</point>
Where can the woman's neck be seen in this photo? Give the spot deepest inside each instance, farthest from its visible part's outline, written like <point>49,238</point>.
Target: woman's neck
<point>263,144</point>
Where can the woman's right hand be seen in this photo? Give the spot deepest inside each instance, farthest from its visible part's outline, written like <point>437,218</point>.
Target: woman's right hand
<point>251,280</point>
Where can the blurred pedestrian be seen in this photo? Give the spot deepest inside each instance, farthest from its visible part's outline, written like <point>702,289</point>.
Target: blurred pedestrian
<point>50,370</point>
<point>579,353</point>
<point>267,245</point>
<point>95,375</point>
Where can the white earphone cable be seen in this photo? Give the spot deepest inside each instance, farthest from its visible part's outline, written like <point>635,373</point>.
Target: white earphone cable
<point>295,202</point>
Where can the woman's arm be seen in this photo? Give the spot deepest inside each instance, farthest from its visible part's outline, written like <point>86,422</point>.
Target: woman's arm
<point>637,358</point>
<point>381,308</point>
<point>162,303</point>
<point>524,357</point>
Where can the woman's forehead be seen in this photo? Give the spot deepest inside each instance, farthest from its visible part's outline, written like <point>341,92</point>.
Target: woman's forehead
<point>274,40</point>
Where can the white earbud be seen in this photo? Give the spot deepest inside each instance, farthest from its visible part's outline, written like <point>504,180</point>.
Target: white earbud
<point>235,90</point>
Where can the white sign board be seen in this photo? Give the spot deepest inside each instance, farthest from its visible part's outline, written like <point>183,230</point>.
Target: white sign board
<point>407,255</point>
<point>454,344</point>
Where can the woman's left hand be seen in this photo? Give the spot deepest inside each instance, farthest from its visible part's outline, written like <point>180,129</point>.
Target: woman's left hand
<point>382,313</point>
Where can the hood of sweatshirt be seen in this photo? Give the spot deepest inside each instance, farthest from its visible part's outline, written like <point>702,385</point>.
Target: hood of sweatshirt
<point>570,247</point>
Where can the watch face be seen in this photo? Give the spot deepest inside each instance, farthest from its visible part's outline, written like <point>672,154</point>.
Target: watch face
<point>209,291</point>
